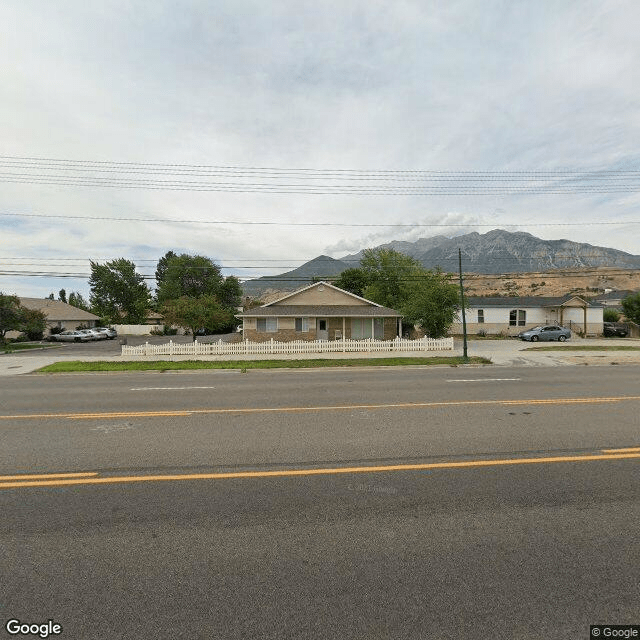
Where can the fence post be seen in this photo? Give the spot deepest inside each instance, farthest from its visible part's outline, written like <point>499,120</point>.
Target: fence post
<point>344,348</point>
<point>246,346</point>
<point>146,348</point>
<point>170,347</point>
<point>271,346</point>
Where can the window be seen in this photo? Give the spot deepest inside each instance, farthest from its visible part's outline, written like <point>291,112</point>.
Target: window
<point>517,318</point>
<point>268,325</point>
<point>360,328</point>
<point>302,324</point>
<point>480,316</point>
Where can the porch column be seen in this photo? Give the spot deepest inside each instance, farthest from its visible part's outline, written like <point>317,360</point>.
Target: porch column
<point>400,328</point>
<point>584,309</point>
<point>344,335</point>
<point>373,331</point>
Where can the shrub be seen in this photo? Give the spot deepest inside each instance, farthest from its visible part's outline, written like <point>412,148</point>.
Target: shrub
<point>482,333</point>
<point>611,315</point>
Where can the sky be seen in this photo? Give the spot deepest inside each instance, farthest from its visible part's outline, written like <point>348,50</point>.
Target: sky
<point>344,91</point>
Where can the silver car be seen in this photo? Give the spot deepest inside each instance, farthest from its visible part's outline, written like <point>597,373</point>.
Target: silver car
<point>546,333</point>
<point>71,336</point>
<point>110,332</point>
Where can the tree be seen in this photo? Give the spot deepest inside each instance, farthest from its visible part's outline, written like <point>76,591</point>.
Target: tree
<point>353,280</point>
<point>230,293</point>
<point>610,315</point>
<point>186,275</point>
<point>118,293</point>
<point>10,314</point>
<point>62,295</point>
<point>197,313</point>
<point>33,323</point>
<point>391,276</point>
<point>76,300</point>
<point>631,307</point>
<point>161,267</point>
<point>433,303</point>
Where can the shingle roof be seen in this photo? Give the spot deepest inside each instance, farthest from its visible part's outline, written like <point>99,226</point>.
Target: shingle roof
<point>524,301</point>
<point>55,310</point>
<point>320,311</point>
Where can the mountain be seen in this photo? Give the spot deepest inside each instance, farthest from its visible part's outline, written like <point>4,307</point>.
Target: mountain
<point>320,267</point>
<point>496,251</point>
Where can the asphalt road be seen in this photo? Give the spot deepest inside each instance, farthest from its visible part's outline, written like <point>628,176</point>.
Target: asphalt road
<point>369,503</point>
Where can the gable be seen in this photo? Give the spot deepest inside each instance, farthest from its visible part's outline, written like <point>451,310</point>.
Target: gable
<point>322,294</point>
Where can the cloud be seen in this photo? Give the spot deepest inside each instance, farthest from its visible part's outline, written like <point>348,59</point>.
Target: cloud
<point>359,85</point>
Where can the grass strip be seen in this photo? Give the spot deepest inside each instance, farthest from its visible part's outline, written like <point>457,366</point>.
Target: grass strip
<point>167,365</point>
<point>585,348</point>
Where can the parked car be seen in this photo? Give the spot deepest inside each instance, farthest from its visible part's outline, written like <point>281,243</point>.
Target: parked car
<point>110,332</point>
<point>93,334</point>
<point>546,333</point>
<point>615,329</point>
<point>70,336</point>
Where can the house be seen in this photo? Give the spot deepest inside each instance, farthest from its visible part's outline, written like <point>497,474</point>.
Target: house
<point>59,314</point>
<point>511,315</point>
<point>320,311</point>
<point>613,299</point>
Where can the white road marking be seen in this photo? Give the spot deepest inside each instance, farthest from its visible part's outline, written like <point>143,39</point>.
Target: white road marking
<point>486,380</point>
<point>167,388</point>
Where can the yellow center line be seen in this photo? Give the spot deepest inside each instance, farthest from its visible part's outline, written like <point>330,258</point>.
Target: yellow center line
<point>315,472</point>
<point>349,407</point>
<point>48,476</point>
<point>627,450</point>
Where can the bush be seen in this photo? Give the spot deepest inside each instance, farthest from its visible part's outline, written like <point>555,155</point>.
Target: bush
<point>169,331</point>
<point>56,330</point>
<point>156,331</point>
<point>610,315</point>
<point>482,333</point>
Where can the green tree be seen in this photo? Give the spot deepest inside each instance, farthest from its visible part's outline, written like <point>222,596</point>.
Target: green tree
<point>433,303</point>
<point>610,315</point>
<point>230,293</point>
<point>33,323</point>
<point>118,293</point>
<point>161,267</point>
<point>197,313</point>
<point>631,307</point>
<point>190,276</point>
<point>354,280</point>
<point>391,276</point>
<point>76,300</point>
<point>10,314</point>
<point>62,295</point>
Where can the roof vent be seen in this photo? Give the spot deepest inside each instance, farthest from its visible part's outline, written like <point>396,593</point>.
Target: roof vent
<point>321,287</point>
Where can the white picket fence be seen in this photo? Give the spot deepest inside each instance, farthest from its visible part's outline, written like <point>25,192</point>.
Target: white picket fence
<point>296,346</point>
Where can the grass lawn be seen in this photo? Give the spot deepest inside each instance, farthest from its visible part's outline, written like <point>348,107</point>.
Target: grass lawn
<point>618,347</point>
<point>166,365</point>
<point>21,346</point>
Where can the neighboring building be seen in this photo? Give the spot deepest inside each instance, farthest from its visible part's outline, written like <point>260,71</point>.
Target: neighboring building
<point>320,311</point>
<point>59,314</point>
<point>613,299</point>
<point>511,315</point>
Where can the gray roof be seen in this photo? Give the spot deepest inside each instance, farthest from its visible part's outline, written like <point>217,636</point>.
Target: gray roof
<point>57,311</point>
<point>524,301</point>
<point>320,311</point>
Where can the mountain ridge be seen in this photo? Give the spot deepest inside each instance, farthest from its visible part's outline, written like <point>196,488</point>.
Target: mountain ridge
<point>496,252</point>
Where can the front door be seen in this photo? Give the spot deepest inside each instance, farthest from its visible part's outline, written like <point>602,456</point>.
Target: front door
<point>322,333</point>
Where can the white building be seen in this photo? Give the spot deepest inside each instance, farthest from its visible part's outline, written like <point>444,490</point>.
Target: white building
<point>511,315</point>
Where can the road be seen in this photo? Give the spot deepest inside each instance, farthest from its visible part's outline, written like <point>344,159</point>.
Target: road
<point>370,503</point>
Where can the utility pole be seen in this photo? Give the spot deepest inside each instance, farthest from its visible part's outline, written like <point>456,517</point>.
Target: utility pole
<point>464,317</point>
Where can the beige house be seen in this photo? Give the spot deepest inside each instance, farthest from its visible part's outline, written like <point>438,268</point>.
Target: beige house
<point>320,311</point>
<point>60,314</point>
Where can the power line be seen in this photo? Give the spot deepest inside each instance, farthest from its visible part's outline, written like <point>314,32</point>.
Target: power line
<point>319,224</point>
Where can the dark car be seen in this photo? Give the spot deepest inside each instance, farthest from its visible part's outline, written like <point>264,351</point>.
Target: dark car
<point>546,333</point>
<point>615,329</point>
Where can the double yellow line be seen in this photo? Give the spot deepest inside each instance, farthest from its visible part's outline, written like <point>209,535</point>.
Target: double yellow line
<point>347,407</point>
<point>67,479</point>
